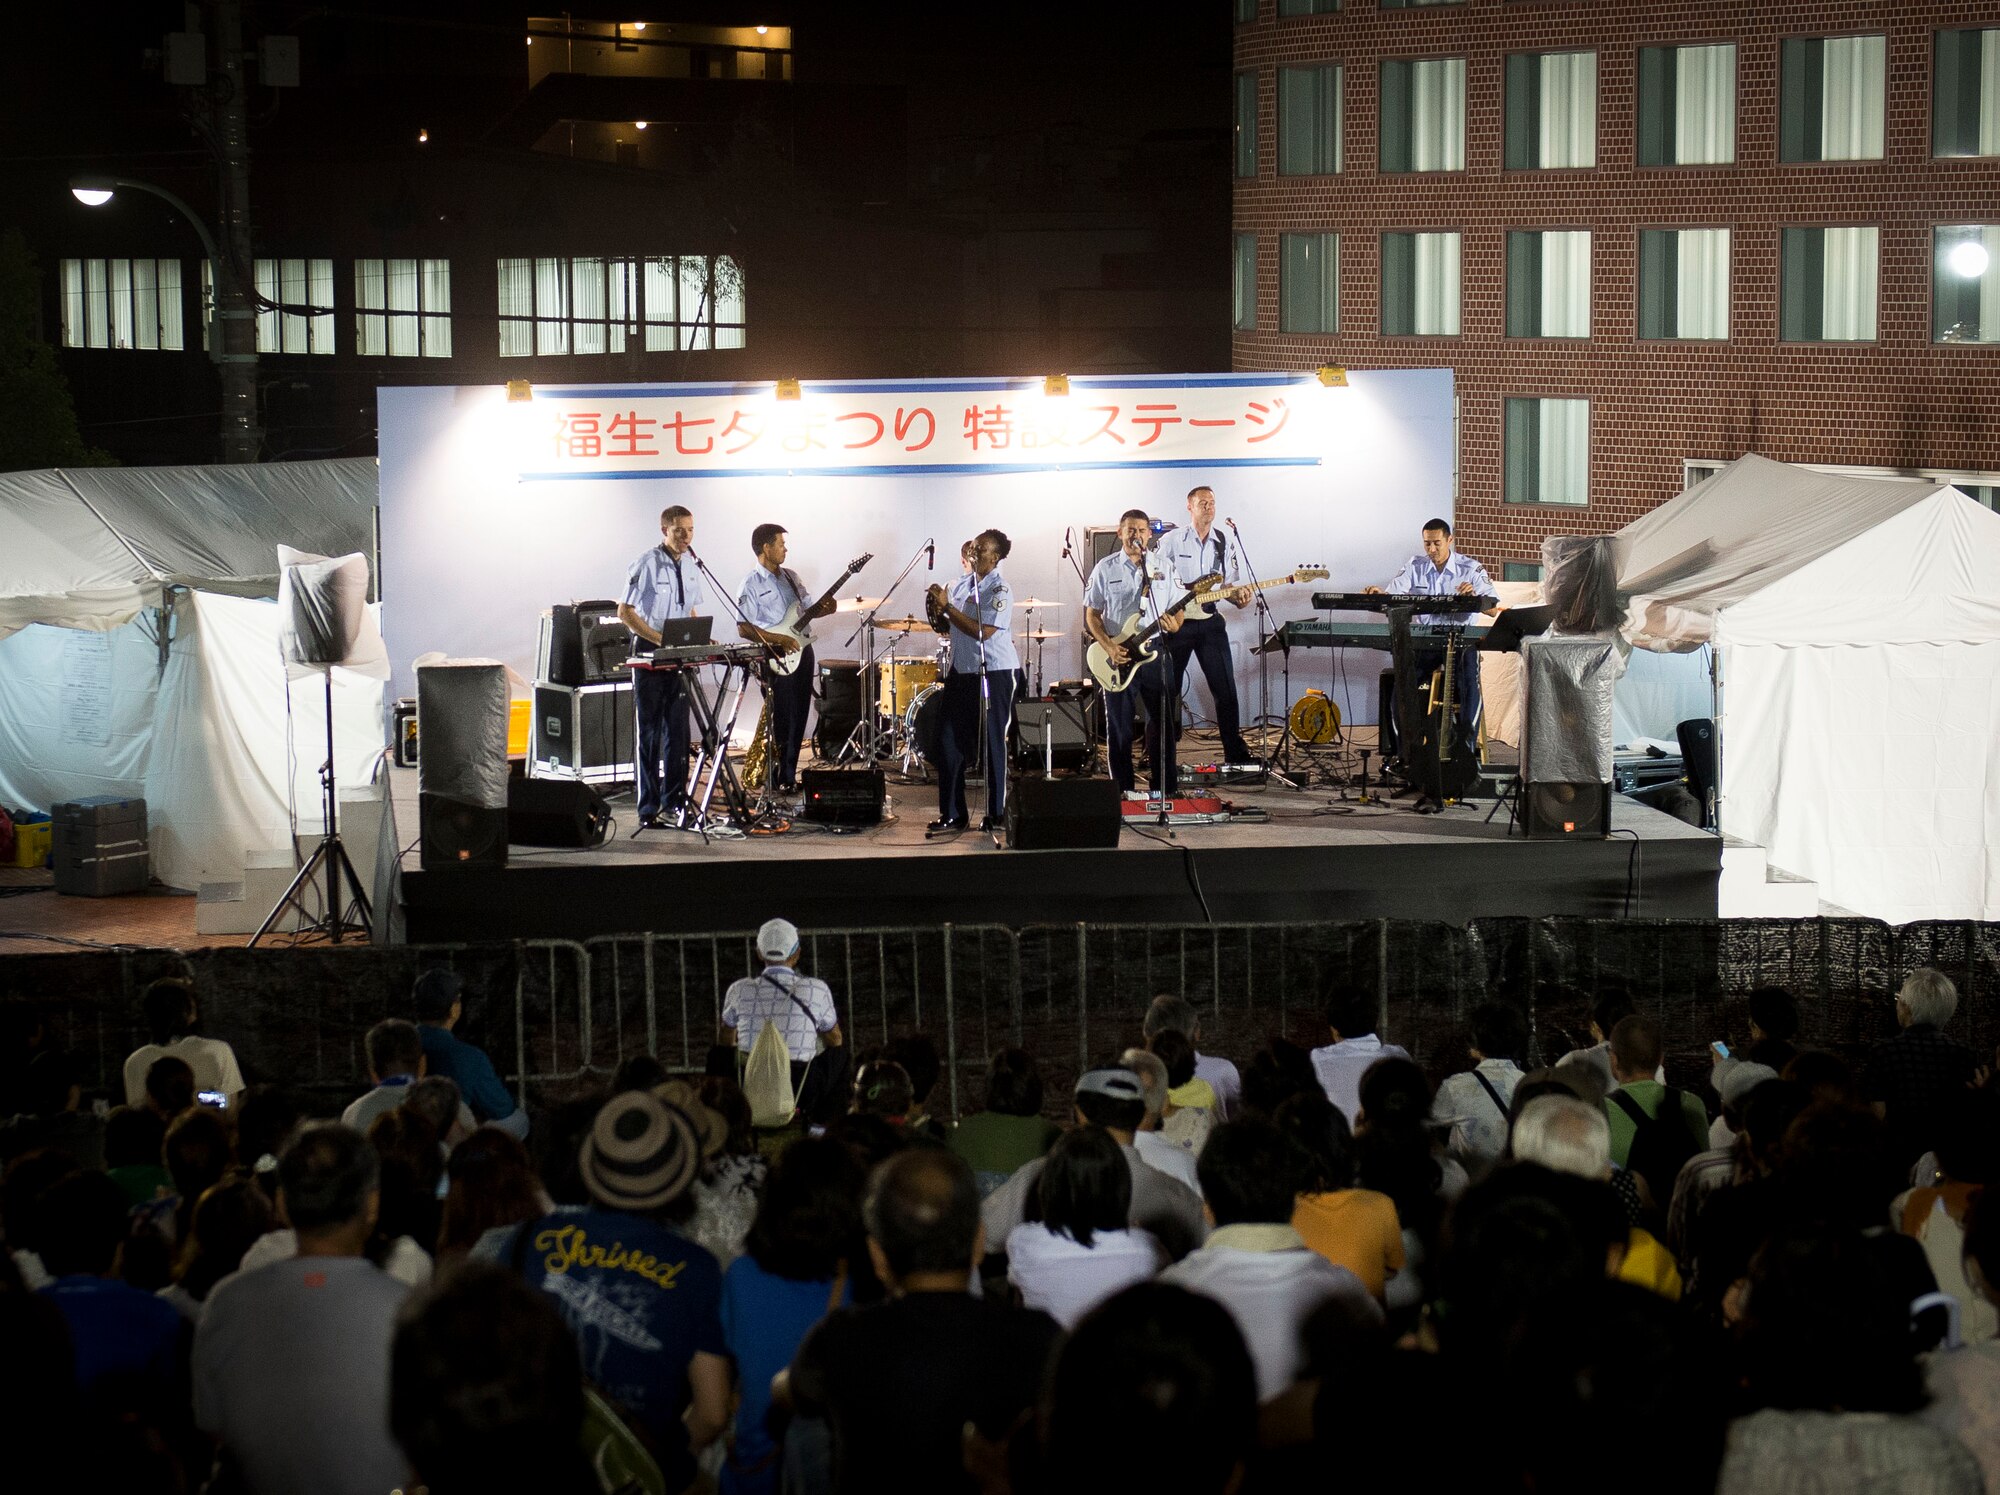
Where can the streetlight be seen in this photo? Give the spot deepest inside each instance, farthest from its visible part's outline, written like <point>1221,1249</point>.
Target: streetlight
<point>232,341</point>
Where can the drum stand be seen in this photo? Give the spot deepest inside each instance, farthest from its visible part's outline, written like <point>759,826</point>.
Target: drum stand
<point>865,741</point>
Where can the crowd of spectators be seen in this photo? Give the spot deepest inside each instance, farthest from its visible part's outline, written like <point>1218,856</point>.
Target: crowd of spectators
<point>1318,1265</point>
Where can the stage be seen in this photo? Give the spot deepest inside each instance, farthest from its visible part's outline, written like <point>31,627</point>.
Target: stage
<point>1296,855</point>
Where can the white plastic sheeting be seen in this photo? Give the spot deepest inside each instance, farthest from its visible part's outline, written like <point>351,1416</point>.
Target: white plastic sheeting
<point>1857,626</point>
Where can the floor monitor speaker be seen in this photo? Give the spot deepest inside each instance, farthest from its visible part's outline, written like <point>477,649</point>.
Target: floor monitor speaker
<point>1563,812</point>
<point>842,796</point>
<point>556,812</point>
<point>1047,814</point>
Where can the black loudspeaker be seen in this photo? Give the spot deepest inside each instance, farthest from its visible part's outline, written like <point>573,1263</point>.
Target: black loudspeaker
<point>1697,739</point>
<point>582,643</point>
<point>456,834</point>
<point>1046,814</point>
<point>1045,728</point>
<point>556,812</point>
<point>839,704</point>
<point>1565,812</point>
<point>842,796</point>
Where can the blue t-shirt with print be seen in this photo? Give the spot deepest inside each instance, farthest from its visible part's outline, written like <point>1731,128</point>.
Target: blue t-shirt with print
<point>642,1301</point>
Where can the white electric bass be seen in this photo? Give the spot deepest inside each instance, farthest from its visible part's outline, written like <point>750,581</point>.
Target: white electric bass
<point>793,625</point>
<point>1138,641</point>
<point>1198,609</point>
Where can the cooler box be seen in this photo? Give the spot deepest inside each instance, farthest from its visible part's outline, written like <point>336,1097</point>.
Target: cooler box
<point>31,842</point>
<point>99,846</point>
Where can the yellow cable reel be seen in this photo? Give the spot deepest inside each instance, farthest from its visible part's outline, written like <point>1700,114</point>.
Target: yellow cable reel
<point>1315,717</point>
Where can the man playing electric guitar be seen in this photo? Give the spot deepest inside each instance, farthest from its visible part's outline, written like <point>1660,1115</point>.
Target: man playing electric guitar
<point>769,594</point>
<point>1119,589</point>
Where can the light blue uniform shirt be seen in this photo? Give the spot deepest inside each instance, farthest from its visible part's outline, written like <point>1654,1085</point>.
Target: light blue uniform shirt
<point>1117,589</point>
<point>1420,576</point>
<point>1188,557</point>
<point>765,597</point>
<point>995,609</point>
<point>659,587</point>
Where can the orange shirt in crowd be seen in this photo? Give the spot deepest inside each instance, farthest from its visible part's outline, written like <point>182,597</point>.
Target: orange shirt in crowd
<point>1356,1229</point>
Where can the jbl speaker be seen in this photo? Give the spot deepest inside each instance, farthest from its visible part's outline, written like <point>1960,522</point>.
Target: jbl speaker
<point>1047,814</point>
<point>1561,812</point>
<point>1697,739</point>
<point>556,812</point>
<point>1048,728</point>
<point>842,796</point>
<point>462,771</point>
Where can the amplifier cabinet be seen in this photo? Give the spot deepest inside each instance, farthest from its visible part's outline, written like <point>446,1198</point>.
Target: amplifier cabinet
<point>583,732</point>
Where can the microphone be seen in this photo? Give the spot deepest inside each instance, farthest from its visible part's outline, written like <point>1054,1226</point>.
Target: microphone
<point>1230,522</point>
<point>930,555</point>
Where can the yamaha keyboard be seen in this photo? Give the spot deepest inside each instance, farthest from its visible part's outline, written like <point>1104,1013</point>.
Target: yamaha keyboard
<point>1317,633</point>
<point>691,656</point>
<point>1423,602</point>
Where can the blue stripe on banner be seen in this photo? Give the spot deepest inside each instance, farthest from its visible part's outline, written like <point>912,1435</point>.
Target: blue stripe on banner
<point>934,386</point>
<point>956,468</point>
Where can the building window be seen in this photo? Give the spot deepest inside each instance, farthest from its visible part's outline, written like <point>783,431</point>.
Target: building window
<point>1548,284</point>
<point>402,308</point>
<point>1551,110</point>
<point>1965,99</point>
<point>1423,115</point>
<point>1687,105</point>
<point>1246,12</point>
<point>303,287</point>
<point>1520,571</point>
<point>1982,493</point>
<point>1965,284</point>
<point>1246,124</point>
<point>1245,288</point>
<point>662,304</point>
<point>1307,7</point>
<point>1831,103</point>
<point>1309,283</point>
<point>1413,4</point>
<point>122,304</point>
<point>1547,452</point>
<point>1308,121</point>
<point>1684,283</point>
<point>1827,294</point>
<point>1420,285</point>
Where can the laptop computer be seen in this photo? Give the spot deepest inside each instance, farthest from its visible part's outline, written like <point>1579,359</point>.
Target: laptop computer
<point>679,633</point>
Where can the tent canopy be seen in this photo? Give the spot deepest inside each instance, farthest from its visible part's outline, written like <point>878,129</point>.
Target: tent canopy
<point>90,547</point>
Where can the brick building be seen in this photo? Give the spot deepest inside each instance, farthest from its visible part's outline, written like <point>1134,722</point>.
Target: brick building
<point>1645,237</point>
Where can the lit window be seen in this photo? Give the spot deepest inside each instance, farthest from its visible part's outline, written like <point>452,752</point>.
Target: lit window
<point>304,290</point>
<point>1245,288</point>
<point>1520,570</point>
<point>1831,98</point>
<point>591,305</point>
<point>1687,105</point>
<point>122,304</point>
<point>1965,99</point>
<point>1423,115</point>
<point>1965,284</point>
<point>1420,285</point>
<point>1827,294</point>
<point>1307,7</point>
<point>1547,453</point>
<point>1551,110</point>
<point>1246,124</point>
<point>1684,283</point>
<point>402,308</point>
<point>1309,283</point>
<point>1308,121</point>
<point>1548,284</point>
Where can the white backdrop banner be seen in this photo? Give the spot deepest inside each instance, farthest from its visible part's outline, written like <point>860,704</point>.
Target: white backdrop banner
<point>956,426</point>
<point>483,525</point>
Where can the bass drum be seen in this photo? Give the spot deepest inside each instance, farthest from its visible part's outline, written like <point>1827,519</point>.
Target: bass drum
<point>923,724</point>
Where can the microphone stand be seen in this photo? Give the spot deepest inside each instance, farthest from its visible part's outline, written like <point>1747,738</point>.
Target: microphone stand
<point>1264,627</point>
<point>868,729</point>
<point>1168,768</point>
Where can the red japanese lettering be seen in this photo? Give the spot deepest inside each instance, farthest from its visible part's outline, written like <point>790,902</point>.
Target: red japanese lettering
<point>682,426</point>
<point>866,441</point>
<point>807,433</point>
<point>580,434</point>
<point>1257,412</point>
<point>906,422</point>
<point>994,425</point>
<point>626,436</point>
<point>1110,414</point>
<point>1157,422</point>
<point>749,425</point>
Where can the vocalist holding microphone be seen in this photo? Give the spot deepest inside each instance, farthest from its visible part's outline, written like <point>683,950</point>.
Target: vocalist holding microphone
<point>1190,552</point>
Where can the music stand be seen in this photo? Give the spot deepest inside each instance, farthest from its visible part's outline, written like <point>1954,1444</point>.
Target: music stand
<point>323,607</point>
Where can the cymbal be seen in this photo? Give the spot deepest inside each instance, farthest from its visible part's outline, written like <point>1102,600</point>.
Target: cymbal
<point>858,604</point>
<point>1029,604</point>
<point>1046,633</point>
<point>904,625</point>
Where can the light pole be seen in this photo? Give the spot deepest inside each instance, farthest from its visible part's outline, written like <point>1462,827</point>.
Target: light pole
<point>232,328</point>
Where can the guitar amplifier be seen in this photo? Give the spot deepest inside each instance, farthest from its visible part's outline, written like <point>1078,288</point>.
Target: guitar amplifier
<point>583,732</point>
<point>581,643</point>
<point>842,796</point>
<point>1051,728</point>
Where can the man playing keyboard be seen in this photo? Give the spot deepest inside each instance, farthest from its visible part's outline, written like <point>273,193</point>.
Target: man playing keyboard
<point>1442,571</point>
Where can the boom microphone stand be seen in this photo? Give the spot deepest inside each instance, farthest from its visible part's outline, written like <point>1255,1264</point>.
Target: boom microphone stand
<point>866,738</point>
<point>1264,628</point>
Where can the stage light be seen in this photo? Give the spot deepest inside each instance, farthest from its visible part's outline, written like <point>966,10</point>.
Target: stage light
<point>788,389</point>
<point>519,391</point>
<point>1055,386</point>
<point>1332,377</point>
<point>1968,259</point>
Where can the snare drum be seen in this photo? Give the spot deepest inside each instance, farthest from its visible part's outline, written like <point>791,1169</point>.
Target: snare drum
<point>902,681</point>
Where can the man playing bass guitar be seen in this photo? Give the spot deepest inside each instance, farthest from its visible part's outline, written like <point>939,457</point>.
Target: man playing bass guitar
<point>769,593</point>
<point>1120,586</point>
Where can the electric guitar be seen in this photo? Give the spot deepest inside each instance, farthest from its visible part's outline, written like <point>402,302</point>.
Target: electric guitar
<point>793,624</point>
<point>1136,638</point>
<point>1198,609</point>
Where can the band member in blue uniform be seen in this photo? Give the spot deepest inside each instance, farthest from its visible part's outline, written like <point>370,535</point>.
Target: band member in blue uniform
<point>980,608</point>
<point>768,593</point>
<point>1191,552</point>
<point>1121,585</point>
<point>663,583</point>
<point>1441,571</point>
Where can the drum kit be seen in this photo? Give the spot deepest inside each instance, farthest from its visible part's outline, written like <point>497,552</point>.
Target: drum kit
<point>908,686</point>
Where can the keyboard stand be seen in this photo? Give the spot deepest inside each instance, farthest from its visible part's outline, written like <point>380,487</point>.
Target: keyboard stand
<point>713,771</point>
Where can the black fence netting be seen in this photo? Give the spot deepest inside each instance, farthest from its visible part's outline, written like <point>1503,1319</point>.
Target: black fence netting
<point>558,1016</point>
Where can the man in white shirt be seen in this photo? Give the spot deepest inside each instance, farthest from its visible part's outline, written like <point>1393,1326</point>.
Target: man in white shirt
<point>1114,1100</point>
<point>1176,1012</point>
<point>171,1018</point>
<point>1475,1103</point>
<point>801,1006</point>
<point>1350,1018</point>
<point>1191,551</point>
<point>1253,1262</point>
<point>1157,1151</point>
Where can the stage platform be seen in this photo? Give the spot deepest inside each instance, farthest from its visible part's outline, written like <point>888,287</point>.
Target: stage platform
<point>1299,854</point>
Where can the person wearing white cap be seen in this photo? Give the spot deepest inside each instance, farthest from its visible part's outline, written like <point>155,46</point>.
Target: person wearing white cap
<point>801,1006</point>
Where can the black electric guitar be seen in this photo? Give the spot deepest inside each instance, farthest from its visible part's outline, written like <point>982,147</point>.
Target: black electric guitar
<point>792,626</point>
<point>1137,639</point>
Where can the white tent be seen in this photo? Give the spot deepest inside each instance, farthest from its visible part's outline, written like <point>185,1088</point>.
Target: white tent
<point>1856,626</point>
<point>93,562</point>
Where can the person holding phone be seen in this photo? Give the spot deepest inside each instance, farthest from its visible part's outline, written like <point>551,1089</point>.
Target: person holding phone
<point>172,1018</point>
